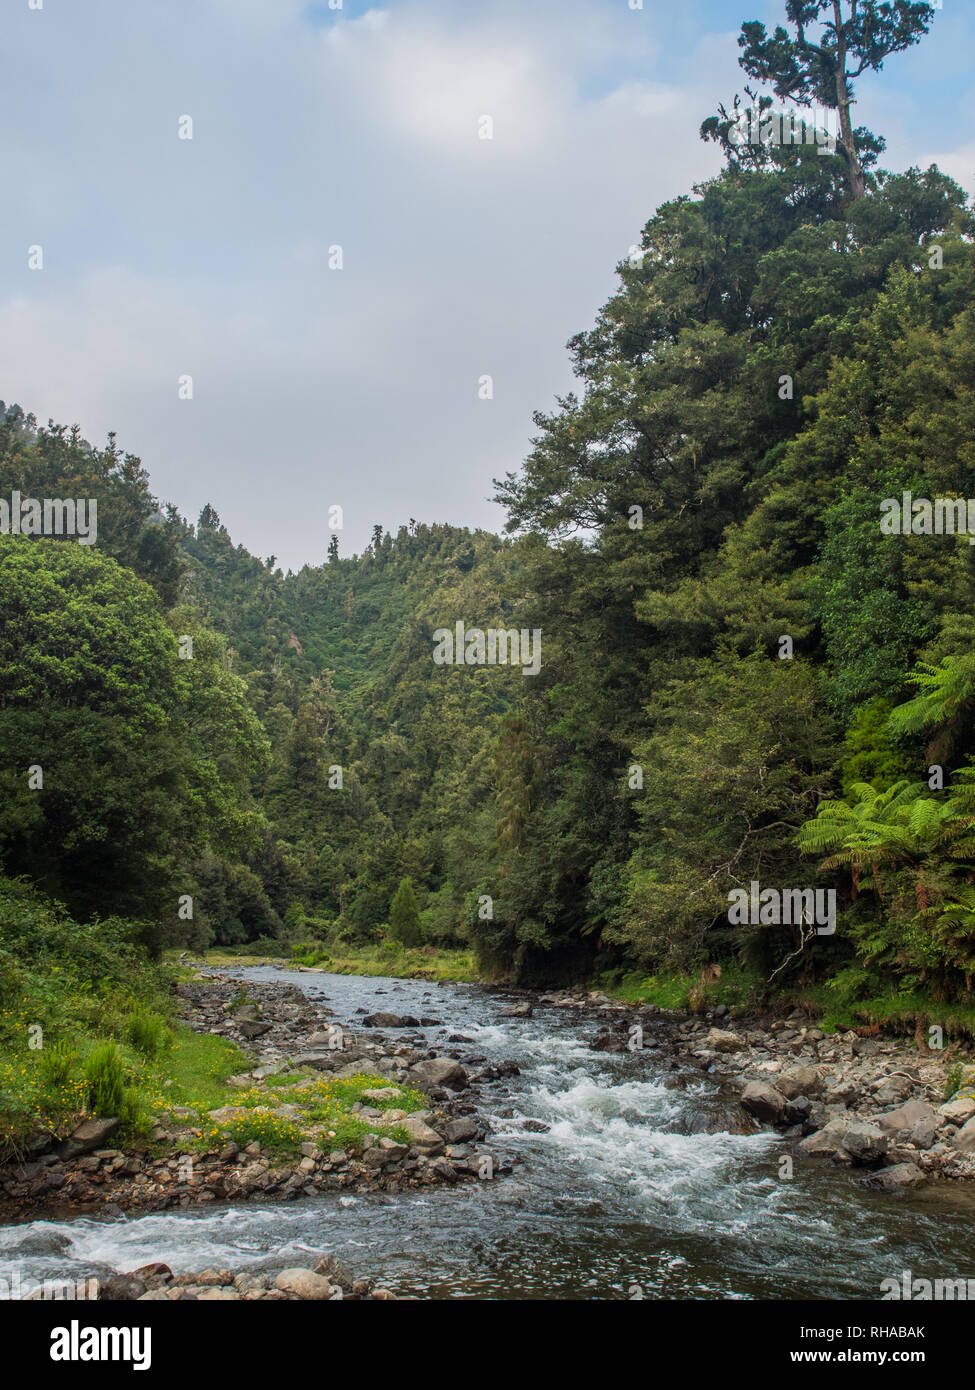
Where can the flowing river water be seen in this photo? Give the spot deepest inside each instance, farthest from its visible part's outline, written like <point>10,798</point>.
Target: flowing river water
<point>633,1189</point>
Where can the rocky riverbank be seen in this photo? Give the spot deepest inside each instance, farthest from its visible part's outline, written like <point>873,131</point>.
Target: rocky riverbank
<point>329,1280</point>
<point>416,1120</point>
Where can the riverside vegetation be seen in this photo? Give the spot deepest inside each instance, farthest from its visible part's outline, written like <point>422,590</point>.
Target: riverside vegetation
<point>744,679</point>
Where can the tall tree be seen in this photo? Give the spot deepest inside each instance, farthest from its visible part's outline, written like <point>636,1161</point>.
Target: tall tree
<point>831,44</point>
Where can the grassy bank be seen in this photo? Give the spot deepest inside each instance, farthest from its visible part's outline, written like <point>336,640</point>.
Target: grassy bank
<point>384,958</point>
<point>88,1027</point>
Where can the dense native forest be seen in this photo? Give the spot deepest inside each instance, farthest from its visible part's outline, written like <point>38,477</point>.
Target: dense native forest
<point>744,677</point>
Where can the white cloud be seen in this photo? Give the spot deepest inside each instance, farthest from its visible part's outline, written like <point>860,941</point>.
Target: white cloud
<point>958,163</point>
<point>462,256</point>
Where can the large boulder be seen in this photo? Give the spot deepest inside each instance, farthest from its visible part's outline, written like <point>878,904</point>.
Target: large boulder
<point>336,1271</point>
<point>866,1144</point>
<point>826,1142</point>
<point>722,1040</point>
<point>893,1089</point>
<point>439,1071</point>
<point>382,1020</point>
<point>427,1140</point>
<point>764,1102</point>
<point>905,1117</point>
<point>303,1283</point>
<point>90,1134</point>
<point>799,1081</point>
<point>460,1130</point>
<point>226,1114</point>
<point>896,1178</point>
<point>319,1060</point>
<point>120,1288</point>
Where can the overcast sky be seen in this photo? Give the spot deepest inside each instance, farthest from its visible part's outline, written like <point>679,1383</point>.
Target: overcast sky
<point>358,127</point>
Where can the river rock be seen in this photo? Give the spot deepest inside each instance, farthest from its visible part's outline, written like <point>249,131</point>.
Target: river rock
<point>303,1283</point>
<point>318,1061</point>
<point>254,1029</point>
<point>155,1270</point>
<point>460,1130</point>
<point>895,1178</point>
<point>90,1134</point>
<point>826,1142</point>
<point>426,1139</point>
<point>381,1020</point>
<point>439,1071</point>
<point>925,1133</point>
<point>958,1111</point>
<point>799,1081</point>
<point>866,1144</point>
<point>893,1088</point>
<point>964,1140</point>
<point>906,1116</point>
<point>337,1272</point>
<point>763,1101</point>
<point>120,1288</point>
<point>721,1040</point>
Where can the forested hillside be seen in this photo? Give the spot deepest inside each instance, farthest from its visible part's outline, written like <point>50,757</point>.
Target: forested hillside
<point>745,678</point>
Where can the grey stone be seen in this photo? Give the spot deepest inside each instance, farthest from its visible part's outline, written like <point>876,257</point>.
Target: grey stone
<point>896,1178</point>
<point>866,1144</point>
<point>763,1101</point>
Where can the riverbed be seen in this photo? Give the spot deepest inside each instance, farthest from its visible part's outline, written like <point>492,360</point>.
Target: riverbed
<point>626,1185</point>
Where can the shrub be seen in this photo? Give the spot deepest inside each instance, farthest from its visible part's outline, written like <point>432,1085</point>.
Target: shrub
<point>146,1032</point>
<point>57,1063</point>
<point>105,1076</point>
<point>953,1080</point>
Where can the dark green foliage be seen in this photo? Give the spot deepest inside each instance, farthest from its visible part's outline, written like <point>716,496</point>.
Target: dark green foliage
<point>119,762</point>
<point>404,915</point>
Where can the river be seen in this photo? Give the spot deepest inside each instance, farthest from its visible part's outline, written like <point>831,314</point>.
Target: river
<point>626,1193</point>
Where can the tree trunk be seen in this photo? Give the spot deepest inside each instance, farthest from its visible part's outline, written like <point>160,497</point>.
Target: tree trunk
<point>854,169</point>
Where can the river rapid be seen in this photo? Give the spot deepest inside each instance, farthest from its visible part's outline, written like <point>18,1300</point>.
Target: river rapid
<point>633,1189</point>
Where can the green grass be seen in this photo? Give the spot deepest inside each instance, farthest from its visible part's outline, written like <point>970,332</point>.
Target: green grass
<point>897,1011</point>
<point>737,989</point>
<point>386,958</point>
<point>195,1068</point>
<point>87,1026</point>
<point>322,1103</point>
